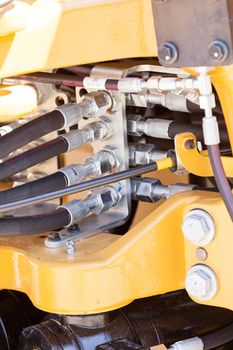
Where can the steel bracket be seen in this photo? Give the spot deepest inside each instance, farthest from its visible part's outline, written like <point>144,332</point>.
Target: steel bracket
<point>194,33</point>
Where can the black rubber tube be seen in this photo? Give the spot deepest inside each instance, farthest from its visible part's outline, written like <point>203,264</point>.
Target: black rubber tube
<point>218,338</point>
<point>177,128</point>
<point>220,178</point>
<point>34,224</point>
<point>30,131</point>
<point>83,186</point>
<point>32,157</point>
<point>46,184</point>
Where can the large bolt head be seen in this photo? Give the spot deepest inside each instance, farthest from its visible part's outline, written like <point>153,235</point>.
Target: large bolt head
<point>198,227</point>
<point>168,53</point>
<point>201,282</point>
<point>218,50</point>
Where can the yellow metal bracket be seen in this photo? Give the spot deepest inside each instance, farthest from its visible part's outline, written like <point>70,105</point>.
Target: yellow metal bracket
<point>195,162</point>
<point>61,33</point>
<point>107,271</point>
<point>219,255</point>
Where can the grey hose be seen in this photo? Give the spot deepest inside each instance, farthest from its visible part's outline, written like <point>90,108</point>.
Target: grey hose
<point>220,178</point>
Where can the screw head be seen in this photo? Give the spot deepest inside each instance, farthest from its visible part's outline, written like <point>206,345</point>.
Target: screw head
<point>70,247</point>
<point>198,227</point>
<point>168,53</point>
<point>218,50</point>
<point>201,282</point>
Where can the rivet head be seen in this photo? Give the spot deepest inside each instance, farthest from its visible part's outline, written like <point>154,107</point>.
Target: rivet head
<point>218,50</point>
<point>198,227</point>
<point>201,282</point>
<point>201,254</point>
<point>168,53</point>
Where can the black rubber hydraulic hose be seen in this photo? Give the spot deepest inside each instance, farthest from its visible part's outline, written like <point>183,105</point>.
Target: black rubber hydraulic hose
<point>54,182</point>
<point>84,186</point>
<point>220,178</point>
<point>176,128</point>
<point>32,157</point>
<point>30,131</point>
<point>34,224</point>
<point>218,338</point>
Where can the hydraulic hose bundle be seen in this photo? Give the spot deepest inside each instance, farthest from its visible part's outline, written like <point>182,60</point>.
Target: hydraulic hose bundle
<point>65,180</point>
<point>62,144</point>
<point>61,118</point>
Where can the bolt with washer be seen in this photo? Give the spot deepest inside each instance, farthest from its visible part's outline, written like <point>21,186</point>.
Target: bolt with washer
<point>201,282</point>
<point>168,53</point>
<point>218,50</point>
<point>198,227</point>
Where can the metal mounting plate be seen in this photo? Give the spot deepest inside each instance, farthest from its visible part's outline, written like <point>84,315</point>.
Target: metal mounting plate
<point>192,26</point>
<point>89,227</point>
<point>117,215</point>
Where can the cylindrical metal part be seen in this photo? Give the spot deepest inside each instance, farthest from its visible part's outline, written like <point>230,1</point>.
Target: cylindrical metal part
<point>156,128</point>
<point>98,201</point>
<point>74,112</point>
<point>145,323</point>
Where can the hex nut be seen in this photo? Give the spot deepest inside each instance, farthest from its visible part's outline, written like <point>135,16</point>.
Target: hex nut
<point>198,227</point>
<point>105,197</point>
<point>103,162</point>
<point>218,50</point>
<point>133,125</point>
<point>201,282</point>
<point>143,153</point>
<point>143,189</point>
<point>101,102</point>
<point>168,53</point>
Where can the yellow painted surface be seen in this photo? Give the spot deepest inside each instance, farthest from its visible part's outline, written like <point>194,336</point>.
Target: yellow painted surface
<point>107,271</point>
<point>73,32</point>
<point>16,101</point>
<point>14,17</point>
<point>198,163</point>
<point>222,79</point>
<point>220,258</point>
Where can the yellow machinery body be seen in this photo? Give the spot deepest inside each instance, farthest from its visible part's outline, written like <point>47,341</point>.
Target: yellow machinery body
<point>107,272</point>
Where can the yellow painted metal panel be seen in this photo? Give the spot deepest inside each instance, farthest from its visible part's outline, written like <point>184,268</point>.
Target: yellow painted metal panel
<point>219,251</point>
<point>222,79</point>
<point>106,272</point>
<point>63,33</point>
